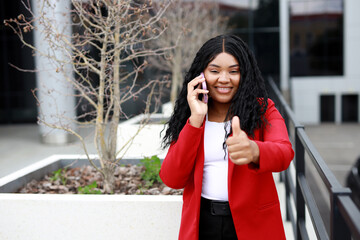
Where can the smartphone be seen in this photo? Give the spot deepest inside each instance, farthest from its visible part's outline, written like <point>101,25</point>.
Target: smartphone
<point>203,85</point>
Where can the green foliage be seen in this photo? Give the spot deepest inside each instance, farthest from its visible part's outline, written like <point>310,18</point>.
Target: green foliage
<point>59,174</point>
<point>152,168</point>
<point>89,189</point>
<point>141,190</point>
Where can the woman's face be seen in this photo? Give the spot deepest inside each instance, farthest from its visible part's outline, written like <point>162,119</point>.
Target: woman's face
<point>222,78</point>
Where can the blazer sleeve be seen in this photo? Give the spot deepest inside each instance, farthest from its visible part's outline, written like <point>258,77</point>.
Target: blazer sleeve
<point>179,162</point>
<point>276,151</point>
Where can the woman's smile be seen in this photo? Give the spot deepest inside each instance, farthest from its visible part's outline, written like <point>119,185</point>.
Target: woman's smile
<point>223,90</point>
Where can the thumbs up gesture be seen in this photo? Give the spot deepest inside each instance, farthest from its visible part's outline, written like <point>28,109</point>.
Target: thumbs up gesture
<point>241,149</point>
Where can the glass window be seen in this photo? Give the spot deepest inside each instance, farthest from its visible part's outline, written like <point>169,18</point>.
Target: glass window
<point>266,14</point>
<point>316,37</point>
<point>17,103</point>
<point>257,23</point>
<point>267,52</point>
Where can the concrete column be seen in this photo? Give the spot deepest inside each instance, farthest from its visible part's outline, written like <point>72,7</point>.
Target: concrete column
<point>351,47</point>
<point>54,92</point>
<point>351,38</point>
<point>284,46</point>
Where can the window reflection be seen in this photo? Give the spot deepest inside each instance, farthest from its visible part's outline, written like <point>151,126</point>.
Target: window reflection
<point>316,37</point>
<point>257,23</point>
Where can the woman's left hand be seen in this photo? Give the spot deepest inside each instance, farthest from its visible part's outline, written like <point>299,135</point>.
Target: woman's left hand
<point>241,149</point>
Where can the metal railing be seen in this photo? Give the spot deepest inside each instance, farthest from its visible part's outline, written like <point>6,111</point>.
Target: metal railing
<point>344,215</point>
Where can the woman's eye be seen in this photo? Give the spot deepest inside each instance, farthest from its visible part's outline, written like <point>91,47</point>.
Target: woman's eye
<point>213,71</point>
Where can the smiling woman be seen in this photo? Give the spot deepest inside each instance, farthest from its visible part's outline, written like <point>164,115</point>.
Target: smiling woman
<point>222,76</point>
<point>218,147</point>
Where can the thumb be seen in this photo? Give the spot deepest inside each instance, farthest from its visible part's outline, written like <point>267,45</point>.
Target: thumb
<point>236,126</point>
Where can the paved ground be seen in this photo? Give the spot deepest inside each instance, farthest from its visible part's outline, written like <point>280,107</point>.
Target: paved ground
<point>339,145</point>
<point>20,146</point>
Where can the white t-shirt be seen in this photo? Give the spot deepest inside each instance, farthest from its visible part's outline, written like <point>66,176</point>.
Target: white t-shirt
<point>215,177</point>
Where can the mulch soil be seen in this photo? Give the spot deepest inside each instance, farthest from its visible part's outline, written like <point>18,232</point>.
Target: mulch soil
<point>127,182</point>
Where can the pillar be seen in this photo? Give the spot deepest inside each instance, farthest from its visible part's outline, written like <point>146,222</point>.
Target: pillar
<point>284,47</point>
<point>55,94</point>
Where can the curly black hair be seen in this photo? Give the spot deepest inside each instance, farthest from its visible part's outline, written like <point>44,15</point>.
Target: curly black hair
<point>250,101</point>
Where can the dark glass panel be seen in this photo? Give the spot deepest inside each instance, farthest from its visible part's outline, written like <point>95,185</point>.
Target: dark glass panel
<point>257,23</point>
<point>350,109</point>
<point>266,14</point>
<point>327,108</point>
<point>267,52</point>
<point>17,102</point>
<point>316,38</point>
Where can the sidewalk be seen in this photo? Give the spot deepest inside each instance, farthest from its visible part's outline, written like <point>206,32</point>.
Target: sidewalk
<point>338,145</point>
<point>20,146</point>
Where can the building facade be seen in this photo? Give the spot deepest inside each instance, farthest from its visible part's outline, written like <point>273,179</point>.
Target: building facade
<point>309,47</point>
<point>325,77</point>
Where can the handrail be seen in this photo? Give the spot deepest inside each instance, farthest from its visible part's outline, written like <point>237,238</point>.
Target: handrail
<point>311,204</point>
<point>344,215</point>
<point>325,173</point>
<point>351,214</point>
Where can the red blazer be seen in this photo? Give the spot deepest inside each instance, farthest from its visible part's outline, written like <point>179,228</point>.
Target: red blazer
<point>253,197</point>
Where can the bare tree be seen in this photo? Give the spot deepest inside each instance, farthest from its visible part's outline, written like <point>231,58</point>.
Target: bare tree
<point>192,23</point>
<point>118,31</point>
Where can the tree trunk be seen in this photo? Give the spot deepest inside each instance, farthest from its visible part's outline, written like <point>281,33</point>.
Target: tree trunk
<point>115,98</point>
<point>109,178</point>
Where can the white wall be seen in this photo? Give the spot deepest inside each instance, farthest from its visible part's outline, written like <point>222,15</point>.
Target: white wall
<point>110,217</point>
<point>306,91</point>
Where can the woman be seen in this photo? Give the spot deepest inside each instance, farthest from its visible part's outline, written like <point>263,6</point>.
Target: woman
<point>223,152</point>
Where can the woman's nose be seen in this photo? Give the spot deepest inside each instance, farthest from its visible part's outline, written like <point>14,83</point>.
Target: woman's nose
<point>224,77</point>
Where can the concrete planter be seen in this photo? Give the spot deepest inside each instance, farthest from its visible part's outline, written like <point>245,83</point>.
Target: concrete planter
<point>60,216</point>
<point>148,141</point>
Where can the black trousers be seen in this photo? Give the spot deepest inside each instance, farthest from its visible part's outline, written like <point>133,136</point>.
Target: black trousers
<point>216,222</point>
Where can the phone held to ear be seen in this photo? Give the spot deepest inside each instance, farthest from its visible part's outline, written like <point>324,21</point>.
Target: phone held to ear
<point>203,85</point>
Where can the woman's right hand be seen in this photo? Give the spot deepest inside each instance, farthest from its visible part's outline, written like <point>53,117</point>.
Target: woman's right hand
<point>198,108</point>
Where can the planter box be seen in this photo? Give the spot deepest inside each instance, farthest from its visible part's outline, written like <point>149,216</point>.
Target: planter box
<point>148,141</point>
<point>60,216</point>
